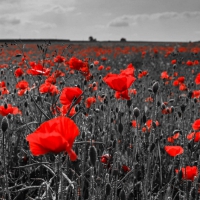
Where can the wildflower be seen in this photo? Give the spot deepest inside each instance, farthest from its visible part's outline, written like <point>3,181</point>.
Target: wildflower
<point>189,173</point>
<point>189,63</point>
<point>174,150</point>
<point>55,136</point>
<point>118,82</point>
<point>75,63</point>
<point>48,88</point>
<point>196,125</point>
<point>9,109</point>
<point>59,59</point>
<point>38,69</point>
<point>23,86</point>
<point>197,79</point>
<point>18,72</point>
<point>122,95</point>
<point>125,168</point>
<point>173,62</point>
<point>194,135</point>
<point>89,101</point>
<point>101,67</point>
<point>174,137</point>
<point>142,74</point>
<point>105,158</point>
<point>164,75</point>
<point>129,71</point>
<point>108,68</point>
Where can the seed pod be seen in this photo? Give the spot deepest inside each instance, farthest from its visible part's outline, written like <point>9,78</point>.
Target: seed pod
<point>136,112</point>
<point>120,128</point>
<point>122,195</point>
<point>129,102</point>
<point>108,189</point>
<point>144,118</point>
<point>93,155</point>
<point>155,87</point>
<point>4,124</point>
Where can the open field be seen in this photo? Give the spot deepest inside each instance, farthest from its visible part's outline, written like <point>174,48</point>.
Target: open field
<point>99,120</point>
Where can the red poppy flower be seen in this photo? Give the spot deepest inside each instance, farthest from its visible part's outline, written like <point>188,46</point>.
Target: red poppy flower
<point>59,59</point>
<point>122,95</point>
<point>194,135</point>
<point>55,136</point>
<point>38,69</point>
<point>108,68</point>
<point>174,137</point>
<point>197,79</point>
<point>196,125</point>
<point>175,74</point>
<point>149,99</point>
<point>189,63</point>
<point>132,91</point>
<point>149,123</point>
<point>89,101</point>
<point>196,62</point>
<point>5,110</point>
<point>118,82</point>
<point>103,58</point>
<point>196,94</point>
<point>2,84</point>
<point>51,79</point>
<point>134,124</point>
<point>23,86</point>
<point>188,172</point>
<point>174,150</point>
<point>69,93</point>
<point>18,72</point>
<point>48,88</point>
<point>181,79</point>
<point>164,75</point>
<point>105,158</point>
<point>125,168</point>
<point>176,83</point>
<point>182,87</point>
<point>143,73</point>
<point>173,62</point>
<point>101,67</point>
<point>75,63</point>
<point>96,62</point>
<point>129,71</point>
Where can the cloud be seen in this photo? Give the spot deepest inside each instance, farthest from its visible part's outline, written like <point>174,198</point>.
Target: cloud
<point>130,20</point>
<point>5,20</point>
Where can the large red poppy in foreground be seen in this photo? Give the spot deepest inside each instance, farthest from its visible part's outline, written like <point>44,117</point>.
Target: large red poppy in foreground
<point>56,135</point>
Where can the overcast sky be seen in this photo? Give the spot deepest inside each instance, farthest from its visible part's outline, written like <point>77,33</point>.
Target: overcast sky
<point>144,20</point>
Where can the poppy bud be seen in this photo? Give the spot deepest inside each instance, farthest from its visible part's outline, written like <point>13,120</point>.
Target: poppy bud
<point>25,104</point>
<point>91,66</point>
<point>154,125</point>
<point>117,110</point>
<point>83,135</point>
<point>93,155</point>
<point>5,106</point>
<point>158,103</point>
<point>85,82</point>
<point>195,100</point>
<point>76,108</point>
<point>4,124</point>
<point>108,189</point>
<point>150,90</point>
<point>129,102</point>
<point>136,112</point>
<point>155,87</point>
<point>192,193</point>
<point>172,109</point>
<point>144,118</point>
<point>120,128</point>
<point>183,107</point>
<point>163,106</point>
<point>122,195</point>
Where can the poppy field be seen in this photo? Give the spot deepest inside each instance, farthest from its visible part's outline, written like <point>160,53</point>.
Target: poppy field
<point>99,121</point>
